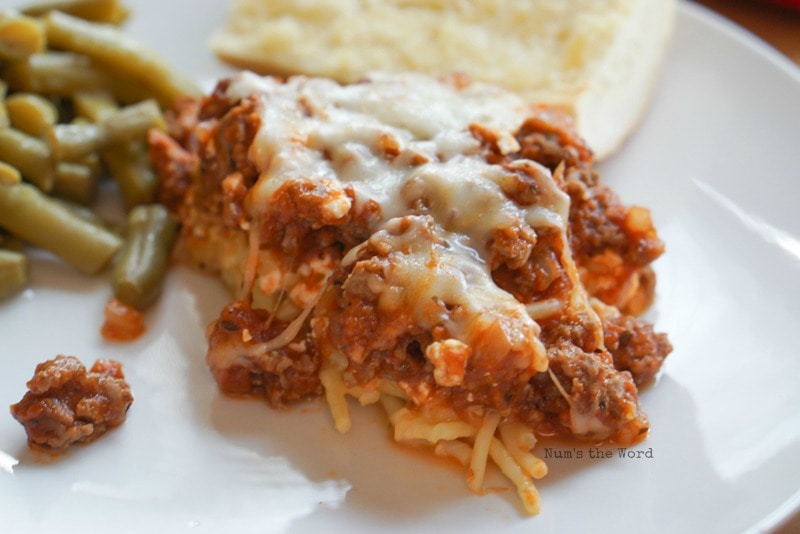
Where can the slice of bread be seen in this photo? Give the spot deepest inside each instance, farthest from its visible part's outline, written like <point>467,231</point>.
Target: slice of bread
<point>597,59</point>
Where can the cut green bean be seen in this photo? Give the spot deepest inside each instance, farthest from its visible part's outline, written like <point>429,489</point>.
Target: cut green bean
<point>42,221</point>
<point>107,11</point>
<point>92,161</point>
<point>76,182</point>
<point>89,215</point>
<point>94,105</point>
<point>31,113</point>
<point>73,141</point>
<point>55,73</point>
<point>133,122</point>
<point>13,272</point>
<point>30,155</point>
<point>128,163</point>
<point>119,53</point>
<point>142,262</point>
<point>127,158</point>
<point>20,36</point>
<point>9,175</point>
<point>65,73</point>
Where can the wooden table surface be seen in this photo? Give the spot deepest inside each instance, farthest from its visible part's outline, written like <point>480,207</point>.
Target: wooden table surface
<point>780,27</point>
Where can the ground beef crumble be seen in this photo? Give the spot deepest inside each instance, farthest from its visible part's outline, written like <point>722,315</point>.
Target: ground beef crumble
<point>65,404</point>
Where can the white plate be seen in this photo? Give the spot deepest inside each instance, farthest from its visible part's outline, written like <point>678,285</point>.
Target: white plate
<point>715,159</point>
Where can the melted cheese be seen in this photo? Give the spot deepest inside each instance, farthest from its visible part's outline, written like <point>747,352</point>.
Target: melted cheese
<point>405,141</point>
<point>432,274</point>
<point>315,129</point>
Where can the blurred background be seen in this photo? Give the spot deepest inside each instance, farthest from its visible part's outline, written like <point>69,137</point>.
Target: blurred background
<point>775,21</point>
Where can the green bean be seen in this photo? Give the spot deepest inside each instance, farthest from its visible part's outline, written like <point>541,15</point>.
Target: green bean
<point>93,162</point>
<point>20,36</point>
<point>129,165</point>
<point>89,215</point>
<point>30,155</point>
<point>13,272</point>
<point>133,122</point>
<point>55,73</point>
<point>65,73</point>
<point>141,265</point>
<point>77,140</point>
<point>31,113</point>
<point>108,11</point>
<point>9,175</point>
<point>76,182</point>
<point>119,53</point>
<point>128,161</point>
<point>94,105</point>
<point>72,141</point>
<point>28,213</point>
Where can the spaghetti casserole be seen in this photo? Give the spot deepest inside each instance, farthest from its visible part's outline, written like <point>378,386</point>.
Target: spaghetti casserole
<point>437,246</point>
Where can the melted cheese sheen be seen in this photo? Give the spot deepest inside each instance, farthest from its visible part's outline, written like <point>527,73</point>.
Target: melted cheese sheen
<point>433,272</point>
<point>314,129</point>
